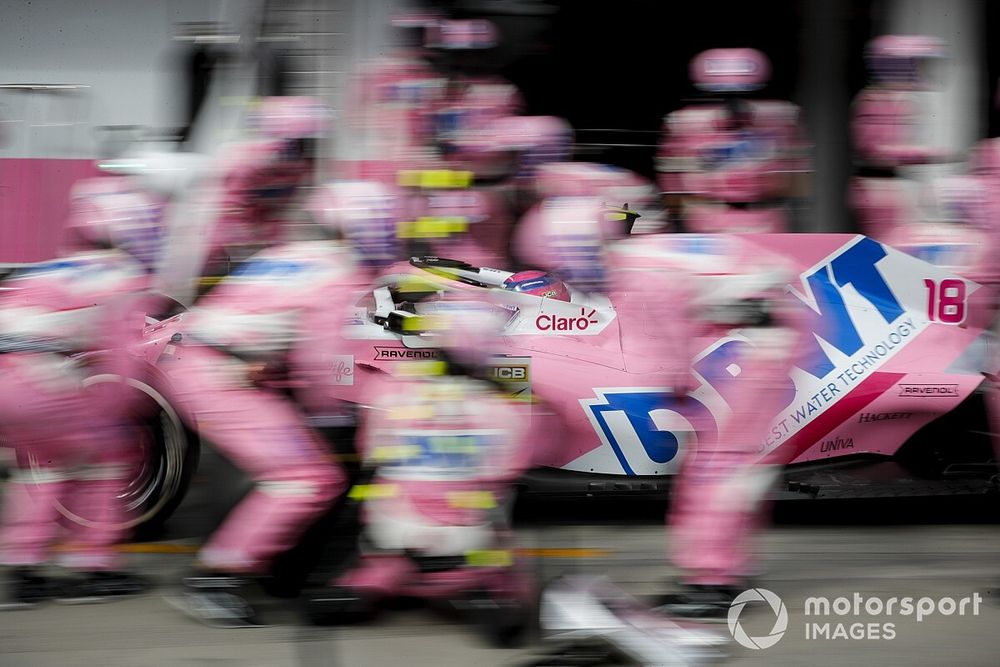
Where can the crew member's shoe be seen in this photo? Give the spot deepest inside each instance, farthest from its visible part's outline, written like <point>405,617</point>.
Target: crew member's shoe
<point>701,602</point>
<point>215,600</point>
<point>338,605</point>
<point>103,586</point>
<point>26,588</point>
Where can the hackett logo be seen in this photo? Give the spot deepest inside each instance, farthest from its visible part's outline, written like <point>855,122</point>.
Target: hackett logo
<point>882,416</point>
<point>928,390</point>
<point>562,323</point>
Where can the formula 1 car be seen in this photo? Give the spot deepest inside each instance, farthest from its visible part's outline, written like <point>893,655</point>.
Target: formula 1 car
<point>886,403</point>
<point>889,403</point>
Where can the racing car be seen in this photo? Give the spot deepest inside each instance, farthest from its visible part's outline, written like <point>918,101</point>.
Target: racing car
<point>888,401</point>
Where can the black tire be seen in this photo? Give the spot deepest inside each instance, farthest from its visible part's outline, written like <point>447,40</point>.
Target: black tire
<point>171,451</point>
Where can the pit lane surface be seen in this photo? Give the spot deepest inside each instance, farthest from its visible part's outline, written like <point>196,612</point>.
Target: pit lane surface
<point>839,558</point>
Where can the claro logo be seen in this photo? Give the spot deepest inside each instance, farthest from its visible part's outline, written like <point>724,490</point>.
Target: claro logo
<point>562,323</point>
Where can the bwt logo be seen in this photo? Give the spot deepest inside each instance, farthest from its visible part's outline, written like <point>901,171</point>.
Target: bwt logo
<point>626,419</point>
<point>829,318</point>
<point>647,427</point>
<point>562,323</point>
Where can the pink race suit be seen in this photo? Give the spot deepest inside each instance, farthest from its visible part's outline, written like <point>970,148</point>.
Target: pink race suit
<point>668,298</point>
<point>73,450</point>
<point>720,498</point>
<point>446,450</point>
<point>244,198</point>
<point>719,495</point>
<point>732,162</point>
<point>259,315</point>
<point>884,129</point>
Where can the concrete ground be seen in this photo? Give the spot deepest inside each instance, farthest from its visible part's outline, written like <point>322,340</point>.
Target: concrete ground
<point>858,552</point>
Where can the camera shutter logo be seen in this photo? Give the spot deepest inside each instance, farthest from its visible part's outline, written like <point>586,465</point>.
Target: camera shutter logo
<point>780,620</point>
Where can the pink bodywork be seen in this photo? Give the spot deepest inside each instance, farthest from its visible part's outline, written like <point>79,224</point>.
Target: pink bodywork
<point>907,368</point>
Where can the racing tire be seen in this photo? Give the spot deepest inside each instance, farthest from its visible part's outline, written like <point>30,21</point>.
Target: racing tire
<point>163,471</point>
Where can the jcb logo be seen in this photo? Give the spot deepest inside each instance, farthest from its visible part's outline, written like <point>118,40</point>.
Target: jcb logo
<point>518,373</point>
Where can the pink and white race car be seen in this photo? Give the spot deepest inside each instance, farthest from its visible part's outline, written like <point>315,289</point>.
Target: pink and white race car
<point>885,401</point>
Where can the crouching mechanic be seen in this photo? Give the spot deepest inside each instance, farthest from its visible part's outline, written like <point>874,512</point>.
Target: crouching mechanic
<point>61,322</point>
<point>241,337</point>
<point>444,445</point>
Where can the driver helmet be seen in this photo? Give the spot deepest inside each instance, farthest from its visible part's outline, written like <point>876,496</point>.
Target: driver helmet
<point>109,213</point>
<point>903,61</point>
<point>958,200</point>
<point>290,118</point>
<point>365,214</point>
<point>567,235</point>
<point>730,70</point>
<point>538,283</point>
<point>591,179</point>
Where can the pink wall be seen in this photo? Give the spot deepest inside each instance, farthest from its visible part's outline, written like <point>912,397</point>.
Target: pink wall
<point>34,201</point>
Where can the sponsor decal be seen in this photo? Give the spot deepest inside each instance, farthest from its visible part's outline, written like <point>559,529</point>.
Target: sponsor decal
<point>861,306</point>
<point>510,373</point>
<point>866,417</point>
<point>343,370</point>
<point>404,354</point>
<point>645,426</point>
<point>836,444</point>
<point>580,322</point>
<point>515,375</point>
<point>928,390</point>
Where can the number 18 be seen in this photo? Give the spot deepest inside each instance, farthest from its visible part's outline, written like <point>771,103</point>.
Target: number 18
<point>946,302</point>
